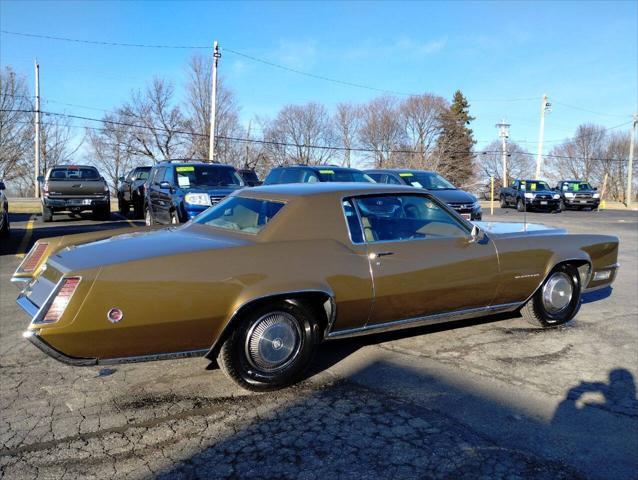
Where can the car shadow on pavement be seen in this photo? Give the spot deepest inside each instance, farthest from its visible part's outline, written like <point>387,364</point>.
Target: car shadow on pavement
<point>392,421</point>
<point>597,295</point>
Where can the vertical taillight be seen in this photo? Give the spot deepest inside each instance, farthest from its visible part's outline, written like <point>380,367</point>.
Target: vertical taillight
<point>33,258</point>
<point>61,300</point>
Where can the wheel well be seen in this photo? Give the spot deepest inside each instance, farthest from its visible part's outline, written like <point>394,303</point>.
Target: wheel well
<point>583,267</point>
<point>319,304</point>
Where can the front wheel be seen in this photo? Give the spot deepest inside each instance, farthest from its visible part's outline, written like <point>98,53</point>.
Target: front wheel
<point>520,206</point>
<point>271,347</point>
<point>558,299</point>
<point>47,214</point>
<point>503,202</point>
<point>123,207</point>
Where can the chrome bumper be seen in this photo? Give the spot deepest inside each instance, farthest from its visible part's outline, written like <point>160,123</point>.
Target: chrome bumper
<point>34,338</point>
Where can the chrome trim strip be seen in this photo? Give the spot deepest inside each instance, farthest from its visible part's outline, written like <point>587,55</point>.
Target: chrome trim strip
<point>20,282</point>
<point>34,338</point>
<point>420,321</point>
<point>27,305</point>
<point>151,358</point>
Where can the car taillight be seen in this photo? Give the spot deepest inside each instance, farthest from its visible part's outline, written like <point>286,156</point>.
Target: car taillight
<point>33,258</point>
<point>61,300</point>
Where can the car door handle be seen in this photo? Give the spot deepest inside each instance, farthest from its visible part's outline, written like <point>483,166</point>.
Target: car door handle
<point>374,255</point>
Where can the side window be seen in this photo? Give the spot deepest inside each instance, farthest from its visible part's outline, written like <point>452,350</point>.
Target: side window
<point>378,177</point>
<point>129,176</point>
<point>308,176</point>
<point>273,177</point>
<point>159,175</point>
<point>387,218</point>
<point>391,179</point>
<point>169,176</point>
<point>515,185</point>
<point>290,175</point>
<point>354,227</point>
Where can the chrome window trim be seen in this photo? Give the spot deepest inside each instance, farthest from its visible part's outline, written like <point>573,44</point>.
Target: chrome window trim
<point>422,320</point>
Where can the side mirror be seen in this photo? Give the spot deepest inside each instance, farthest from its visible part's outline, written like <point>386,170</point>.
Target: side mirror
<point>476,234</point>
<point>595,188</point>
<point>120,179</point>
<point>164,184</point>
<point>40,178</point>
<point>2,187</point>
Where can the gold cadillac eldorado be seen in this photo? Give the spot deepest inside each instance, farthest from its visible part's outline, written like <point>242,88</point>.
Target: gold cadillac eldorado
<point>257,281</point>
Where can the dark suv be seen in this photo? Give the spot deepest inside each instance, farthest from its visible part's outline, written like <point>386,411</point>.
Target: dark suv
<point>464,203</point>
<point>176,191</point>
<point>577,194</point>
<point>315,173</point>
<point>130,191</point>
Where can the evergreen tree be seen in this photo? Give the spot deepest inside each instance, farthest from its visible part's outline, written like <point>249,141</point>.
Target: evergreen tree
<point>456,142</point>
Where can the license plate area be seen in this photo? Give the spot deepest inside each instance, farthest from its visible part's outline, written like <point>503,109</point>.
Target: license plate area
<point>467,216</point>
<point>80,202</point>
<point>543,202</point>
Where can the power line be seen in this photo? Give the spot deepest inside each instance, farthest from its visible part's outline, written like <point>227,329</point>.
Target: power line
<point>99,42</point>
<point>281,144</point>
<point>591,111</point>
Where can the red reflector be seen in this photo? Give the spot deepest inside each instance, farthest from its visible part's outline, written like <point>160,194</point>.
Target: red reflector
<point>34,257</point>
<point>61,300</point>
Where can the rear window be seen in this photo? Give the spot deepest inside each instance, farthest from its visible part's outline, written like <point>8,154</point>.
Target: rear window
<point>74,173</point>
<point>248,215</point>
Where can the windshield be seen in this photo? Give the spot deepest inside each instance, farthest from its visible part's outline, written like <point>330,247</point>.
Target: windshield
<point>241,214</point>
<point>74,173</point>
<point>336,175</point>
<point>203,176</point>
<point>576,186</point>
<point>532,186</point>
<point>431,181</point>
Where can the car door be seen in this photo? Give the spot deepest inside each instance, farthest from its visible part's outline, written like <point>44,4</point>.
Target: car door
<point>511,193</point>
<point>165,196</point>
<point>153,191</point>
<point>423,258</point>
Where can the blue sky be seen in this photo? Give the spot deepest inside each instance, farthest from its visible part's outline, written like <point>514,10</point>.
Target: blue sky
<point>502,55</point>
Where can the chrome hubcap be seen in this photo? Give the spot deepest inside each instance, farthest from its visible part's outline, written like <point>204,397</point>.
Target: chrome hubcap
<point>273,342</point>
<point>557,292</point>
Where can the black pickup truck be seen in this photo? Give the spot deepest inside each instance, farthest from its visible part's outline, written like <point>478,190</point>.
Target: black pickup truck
<point>130,191</point>
<point>74,189</point>
<point>530,195</point>
<point>577,194</point>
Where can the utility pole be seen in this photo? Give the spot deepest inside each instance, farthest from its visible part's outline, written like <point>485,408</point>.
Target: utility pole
<point>37,129</point>
<point>247,144</point>
<point>545,108</point>
<point>504,133</point>
<point>630,164</point>
<point>213,106</point>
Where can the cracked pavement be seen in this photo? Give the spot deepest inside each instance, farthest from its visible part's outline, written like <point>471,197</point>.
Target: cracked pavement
<point>491,398</point>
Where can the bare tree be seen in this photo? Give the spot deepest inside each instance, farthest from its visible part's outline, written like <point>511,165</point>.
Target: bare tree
<point>421,116</point>
<point>519,162</point>
<point>294,133</point>
<point>16,126</point>
<point>158,125</point>
<point>198,101</point>
<point>56,141</point>
<point>577,157</point>
<point>347,121</point>
<point>109,149</point>
<point>381,130</point>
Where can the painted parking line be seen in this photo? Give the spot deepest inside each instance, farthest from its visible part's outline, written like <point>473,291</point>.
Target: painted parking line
<point>130,222</point>
<point>26,238</point>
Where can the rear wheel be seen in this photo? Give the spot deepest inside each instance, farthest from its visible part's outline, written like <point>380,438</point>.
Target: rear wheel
<point>271,347</point>
<point>102,213</point>
<point>148,217</point>
<point>558,299</point>
<point>47,214</point>
<point>123,207</point>
<point>503,202</point>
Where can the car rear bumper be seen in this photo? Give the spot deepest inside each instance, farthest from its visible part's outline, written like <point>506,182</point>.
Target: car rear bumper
<point>76,203</point>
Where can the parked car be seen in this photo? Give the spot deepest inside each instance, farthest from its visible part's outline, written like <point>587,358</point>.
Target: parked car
<point>5,226</point>
<point>463,202</point>
<point>130,191</point>
<point>177,190</point>
<point>249,176</point>
<point>577,194</point>
<point>258,280</point>
<point>315,173</point>
<point>74,189</point>
<point>530,195</point>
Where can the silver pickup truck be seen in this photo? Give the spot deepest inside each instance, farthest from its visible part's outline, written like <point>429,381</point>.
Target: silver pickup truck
<point>74,189</point>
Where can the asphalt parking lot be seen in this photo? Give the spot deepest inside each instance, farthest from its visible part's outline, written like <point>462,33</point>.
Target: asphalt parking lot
<point>491,398</point>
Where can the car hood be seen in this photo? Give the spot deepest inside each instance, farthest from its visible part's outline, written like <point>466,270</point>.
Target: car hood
<point>141,246</point>
<point>503,229</point>
<point>453,196</point>
<point>582,191</point>
<point>542,192</point>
